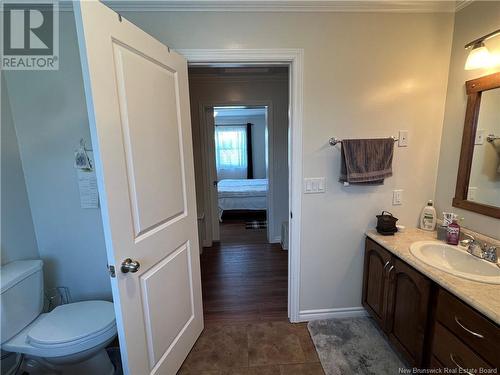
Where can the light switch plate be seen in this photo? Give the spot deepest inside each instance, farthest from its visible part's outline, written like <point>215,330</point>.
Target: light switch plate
<point>403,138</point>
<point>397,197</point>
<point>314,185</point>
<point>307,185</point>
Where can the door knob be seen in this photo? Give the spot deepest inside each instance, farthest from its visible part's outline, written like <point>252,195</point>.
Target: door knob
<point>129,265</point>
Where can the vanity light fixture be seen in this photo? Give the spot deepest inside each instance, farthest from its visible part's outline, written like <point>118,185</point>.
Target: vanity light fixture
<point>479,56</point>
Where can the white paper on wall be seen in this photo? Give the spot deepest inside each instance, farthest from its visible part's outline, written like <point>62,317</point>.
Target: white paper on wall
<point>87,184</point>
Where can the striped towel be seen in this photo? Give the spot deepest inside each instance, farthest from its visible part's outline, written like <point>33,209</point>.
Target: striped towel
<point>366,161</point>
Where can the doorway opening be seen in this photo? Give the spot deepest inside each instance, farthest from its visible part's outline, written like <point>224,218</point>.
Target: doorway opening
<point>241,166</point>
<point>240,123</point>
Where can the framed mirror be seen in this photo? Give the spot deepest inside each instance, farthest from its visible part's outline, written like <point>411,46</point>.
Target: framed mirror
<point>478,179</point>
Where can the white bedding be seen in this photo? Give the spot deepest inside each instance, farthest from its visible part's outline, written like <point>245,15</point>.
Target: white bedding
<point>256,187</point>
<point>242,195</point>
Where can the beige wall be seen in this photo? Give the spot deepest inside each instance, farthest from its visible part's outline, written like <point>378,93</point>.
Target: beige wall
<point>365,75</point>
<point>475,20</point>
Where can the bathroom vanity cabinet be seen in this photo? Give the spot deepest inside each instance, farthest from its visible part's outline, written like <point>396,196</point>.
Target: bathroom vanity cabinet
<point>397,297</point>
<point>427,325</point>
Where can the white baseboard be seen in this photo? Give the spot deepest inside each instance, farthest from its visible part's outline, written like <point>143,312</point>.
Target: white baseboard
<point>276,239</point>
<point>343,312</point>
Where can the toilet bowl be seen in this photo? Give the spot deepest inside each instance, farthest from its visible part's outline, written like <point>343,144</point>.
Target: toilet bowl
<point>71,339</point>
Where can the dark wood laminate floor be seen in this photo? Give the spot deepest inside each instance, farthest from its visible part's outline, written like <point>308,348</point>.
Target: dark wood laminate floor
<point>244,278</point>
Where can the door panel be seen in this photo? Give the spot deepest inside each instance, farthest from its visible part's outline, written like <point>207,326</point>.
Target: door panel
<point>375,281</point>
<point>174,270</point>
<point>148,99</point>
<point>138,106</point>
<point>408,311</point>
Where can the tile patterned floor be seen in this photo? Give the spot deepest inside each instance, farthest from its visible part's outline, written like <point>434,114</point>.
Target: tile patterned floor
<point>263,348</point>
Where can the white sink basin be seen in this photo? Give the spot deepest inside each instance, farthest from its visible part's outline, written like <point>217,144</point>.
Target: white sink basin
<point>456,261</point>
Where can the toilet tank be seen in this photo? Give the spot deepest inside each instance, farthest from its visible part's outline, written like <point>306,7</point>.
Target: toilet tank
<point>21,295</point>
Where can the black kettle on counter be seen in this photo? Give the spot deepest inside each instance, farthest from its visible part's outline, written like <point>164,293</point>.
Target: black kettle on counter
<point>386,224</point>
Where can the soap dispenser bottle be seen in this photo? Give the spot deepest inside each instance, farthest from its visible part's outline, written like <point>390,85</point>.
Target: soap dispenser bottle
<point>428,217</point>
<point>453,232</point>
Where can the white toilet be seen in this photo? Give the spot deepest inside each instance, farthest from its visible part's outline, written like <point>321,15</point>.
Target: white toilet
<point>71,339</point>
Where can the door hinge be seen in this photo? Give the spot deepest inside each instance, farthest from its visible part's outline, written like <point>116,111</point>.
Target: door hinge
<point>111,270</point>
<point>291,215</point>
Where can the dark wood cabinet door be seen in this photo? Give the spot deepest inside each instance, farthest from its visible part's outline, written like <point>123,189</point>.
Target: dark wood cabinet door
<point>408,303</point>
<point>376,262</point>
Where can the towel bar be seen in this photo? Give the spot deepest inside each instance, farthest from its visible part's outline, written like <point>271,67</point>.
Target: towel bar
<point>333,141</point>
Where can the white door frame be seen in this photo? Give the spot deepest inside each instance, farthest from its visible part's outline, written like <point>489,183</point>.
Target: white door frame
<point>209,163</point>
<point>208,152</point>
<point>294,58</point>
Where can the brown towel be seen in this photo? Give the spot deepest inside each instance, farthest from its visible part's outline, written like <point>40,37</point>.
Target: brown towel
<point>366,161</point>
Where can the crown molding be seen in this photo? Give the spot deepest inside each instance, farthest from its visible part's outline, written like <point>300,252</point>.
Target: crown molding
<point>387,6</point>
<point>282,6</point>
<point>461,4</point>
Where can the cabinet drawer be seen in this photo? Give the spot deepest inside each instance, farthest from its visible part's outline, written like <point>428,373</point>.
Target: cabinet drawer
<point>469,326</point>
<point>435,364</point>
<point>453,353</point>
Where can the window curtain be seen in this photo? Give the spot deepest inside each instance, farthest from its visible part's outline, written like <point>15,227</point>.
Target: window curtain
<point>231,153</point>
<point>249,152</point>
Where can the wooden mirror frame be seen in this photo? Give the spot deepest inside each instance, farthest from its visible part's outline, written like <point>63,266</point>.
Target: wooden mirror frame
<point>474,89</point>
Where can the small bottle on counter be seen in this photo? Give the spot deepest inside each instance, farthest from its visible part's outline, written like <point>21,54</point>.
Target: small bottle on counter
<point>453,232</point>
<point>428,217</point>
<point>442,232</point>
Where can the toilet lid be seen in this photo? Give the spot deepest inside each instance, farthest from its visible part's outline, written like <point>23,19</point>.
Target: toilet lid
<point>73,322</point>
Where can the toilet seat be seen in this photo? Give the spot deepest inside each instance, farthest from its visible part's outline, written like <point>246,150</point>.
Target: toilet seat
<point>66,330</point>
<point>72,323</point>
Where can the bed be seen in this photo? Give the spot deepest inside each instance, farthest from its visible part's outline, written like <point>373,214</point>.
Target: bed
<point>242,194</point>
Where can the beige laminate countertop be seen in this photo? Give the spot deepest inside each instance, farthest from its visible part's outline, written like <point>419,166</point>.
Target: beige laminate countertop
<point>483,297</point>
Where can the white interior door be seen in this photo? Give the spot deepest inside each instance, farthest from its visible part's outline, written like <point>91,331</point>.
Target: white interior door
<point>210,165</point>
<point>138,106</point>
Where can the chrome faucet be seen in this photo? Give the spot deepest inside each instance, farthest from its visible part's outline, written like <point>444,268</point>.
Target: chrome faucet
<point>473,247</point>
<point>484,251</point>
<point>491,254</point>
<point>466,241</point>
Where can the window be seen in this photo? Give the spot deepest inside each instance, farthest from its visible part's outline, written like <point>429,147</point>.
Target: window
<point>231,151</point>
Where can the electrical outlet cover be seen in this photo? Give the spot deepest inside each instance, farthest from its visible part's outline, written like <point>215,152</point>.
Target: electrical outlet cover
<point>479,137</point>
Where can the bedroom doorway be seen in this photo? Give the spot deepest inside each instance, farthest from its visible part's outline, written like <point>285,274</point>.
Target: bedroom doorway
<point>241,147</point>
<point>241,116</point>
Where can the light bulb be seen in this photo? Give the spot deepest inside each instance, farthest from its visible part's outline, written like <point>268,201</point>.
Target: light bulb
<point>479,57</point>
